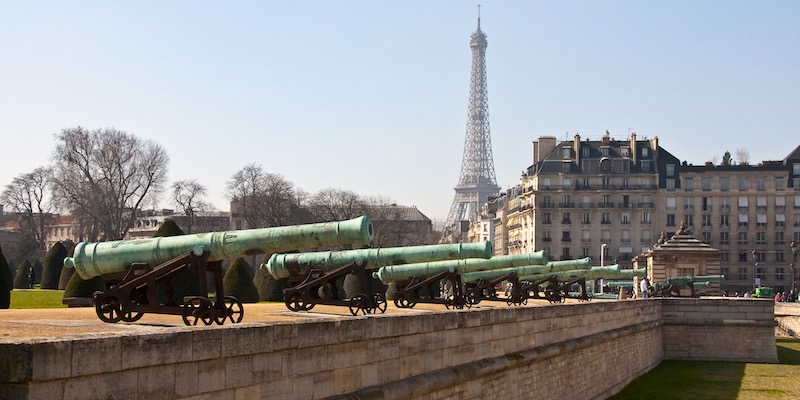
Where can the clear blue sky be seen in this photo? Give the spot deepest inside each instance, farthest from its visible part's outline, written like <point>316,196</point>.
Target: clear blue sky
<point>372,96</point>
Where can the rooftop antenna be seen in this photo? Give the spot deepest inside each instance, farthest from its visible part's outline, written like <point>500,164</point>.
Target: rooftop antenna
<point>479,17</point>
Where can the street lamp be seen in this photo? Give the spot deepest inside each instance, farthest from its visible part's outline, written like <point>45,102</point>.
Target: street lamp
<point>755,270</point>
<point>602,262</point>
<point>791,266</point>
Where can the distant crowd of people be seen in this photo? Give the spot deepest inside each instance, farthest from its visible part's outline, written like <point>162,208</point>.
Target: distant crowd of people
<point>780,297</point>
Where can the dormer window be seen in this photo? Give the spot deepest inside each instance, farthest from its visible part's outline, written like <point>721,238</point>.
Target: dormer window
<point>585,151</point>
<point>644,152</point>
<point>625,151</point>
<point>566,152</point>
<point>604,151</point>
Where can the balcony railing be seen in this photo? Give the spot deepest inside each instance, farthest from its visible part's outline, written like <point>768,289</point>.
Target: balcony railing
<point>566,205</point>
<point>646,205</point>
<point>586,205</point>
<point>625,205</point>
<point>605,205</point>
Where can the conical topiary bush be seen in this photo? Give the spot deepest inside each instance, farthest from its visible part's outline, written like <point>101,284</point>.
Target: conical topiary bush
<point>238,282</point>
<point>21,280</point>
<point>6,282</point>
<point>77,287</point>
<point>53,264</point>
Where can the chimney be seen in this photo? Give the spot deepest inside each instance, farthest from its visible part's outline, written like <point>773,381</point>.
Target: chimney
<point>635,154</point>
<point>576,147</point>
<point>654,146</point>
<point>542,148</point>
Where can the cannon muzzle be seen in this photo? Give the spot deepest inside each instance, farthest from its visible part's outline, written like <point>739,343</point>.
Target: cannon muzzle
<point>97,259</point>
<point>681,280</point>
<point>402,273</point>
<point>296,264</point>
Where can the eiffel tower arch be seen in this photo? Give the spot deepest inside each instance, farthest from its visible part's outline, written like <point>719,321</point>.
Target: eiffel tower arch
<point>476,182</point>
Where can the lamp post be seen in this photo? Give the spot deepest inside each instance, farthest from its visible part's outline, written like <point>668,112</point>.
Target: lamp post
<point>755,271</point>
<point>793,293</point>
<point>602,262</point>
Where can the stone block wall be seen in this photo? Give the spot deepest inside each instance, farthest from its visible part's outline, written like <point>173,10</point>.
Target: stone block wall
<point>588,350</point>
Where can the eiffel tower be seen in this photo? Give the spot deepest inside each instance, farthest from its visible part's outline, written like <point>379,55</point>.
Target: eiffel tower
<point>477,179</point>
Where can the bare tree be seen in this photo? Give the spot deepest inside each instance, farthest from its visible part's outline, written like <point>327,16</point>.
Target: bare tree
<point>188,196</point>
<point>261,198</point>
<point>742,156</point>
<point>105,175</point>
<point>335,205</point>
<point>29,196</point>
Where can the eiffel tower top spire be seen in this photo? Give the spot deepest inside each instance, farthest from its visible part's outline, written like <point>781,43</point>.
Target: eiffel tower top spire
<point>477,180</point>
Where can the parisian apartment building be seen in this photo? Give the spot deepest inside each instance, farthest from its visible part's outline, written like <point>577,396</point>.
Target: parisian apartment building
<point>612,200</point>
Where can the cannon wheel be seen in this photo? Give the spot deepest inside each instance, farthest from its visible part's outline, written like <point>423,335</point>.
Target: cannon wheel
<point>108,308</point>
<point>403,303</point>
<point>358,304</point>
<point>457,304</point>
<point>198,308</point>
<point>132,316</point>
<point>380,302</point>
<point>233,311</point>
<point>297,303</point>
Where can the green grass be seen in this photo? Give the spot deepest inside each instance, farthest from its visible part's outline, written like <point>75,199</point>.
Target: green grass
<point>36,298</point>
<point>721,380</point>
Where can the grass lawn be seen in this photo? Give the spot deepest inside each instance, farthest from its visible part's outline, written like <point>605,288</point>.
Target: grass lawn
<point>721,380</point>
<point>36,298</point>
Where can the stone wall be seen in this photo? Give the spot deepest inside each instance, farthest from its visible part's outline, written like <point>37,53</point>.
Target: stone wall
<point>583,351</point>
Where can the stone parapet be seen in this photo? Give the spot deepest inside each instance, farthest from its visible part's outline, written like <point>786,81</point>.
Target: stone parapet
<point>586,350</point>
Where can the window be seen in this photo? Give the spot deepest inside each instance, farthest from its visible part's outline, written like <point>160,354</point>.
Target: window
<point>707,220</point>
<point>796,168</point>
<point>742,183</point>
<point>565,254</point>
<point>626,218</point>
<point>761,273</point>
<point>626,236</point>
<point>566,183</point>
<point>761,237</point>
<point>780,257</point>
<point>780,221</point>
<point>585,218</point>
<point>689,219</point>
<point>796,199</point>
<point>780,203</point>
<point>724,184</point>
<point>606,201</point>
<point>546,236</point>
<point>545,183</point>
<point>742,256</point>
<point>625,151</point>
<point>670,170</point>
<point>779,238</point>
<point>743,274</point>
<point>707,237</point>
<point>743,220</point>
<point>645,152</point>
<point>565,218</point>
<point>761,203</point>
<point>605,236</point>
<point>761,184</point>
<point>604,151</point>
<point>688,184</point>
<point>566,152</point>
<point>670,184</point>
<point>585,151</point>
<point>706,184</point>
<point>688,204</point>
<point>780,183</point>
<point>670,203</point>
<point>779,273</point>
<point>761,220</point>
<point>586,235</point>
<point>761,256</point>
<point>645,218</point>
<point>646,237</point>
<point>566,167</point>
<point>743,202</point>
<point>647,165</point>
<point>546,218</point>
<point>724,204</point>
<point>565,236</point>
<point>606,218</point>
<point>670,219</point>
<point>742,238</point>
<point>724,238</point>
<point>724,256</point>
<point>606,183</point>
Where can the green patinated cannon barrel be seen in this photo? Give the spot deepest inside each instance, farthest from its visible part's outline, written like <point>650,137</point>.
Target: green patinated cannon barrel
<point>552,266</point>
<point>97,259</point>
<point>286,265</point>
<point>680,280</point>
<point>627,284</point>
<point>592,273</point>
<point>402,273</point>
<point>630,273</point>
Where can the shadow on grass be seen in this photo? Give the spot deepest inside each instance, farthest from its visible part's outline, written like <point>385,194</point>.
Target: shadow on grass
<point>687,380</point>
<point>788,351</point>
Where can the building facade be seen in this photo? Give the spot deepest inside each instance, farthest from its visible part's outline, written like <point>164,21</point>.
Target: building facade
<point>612,199</point>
